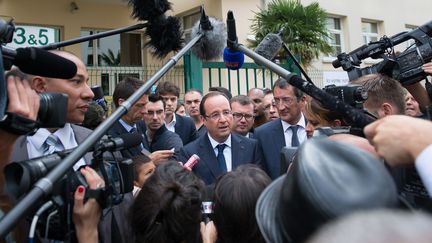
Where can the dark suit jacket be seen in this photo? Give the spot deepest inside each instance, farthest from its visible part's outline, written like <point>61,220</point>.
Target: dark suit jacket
<point>118,129</point>
<point>271,139</point>
<point>185,128</point>
<point>163,140</point>
<point>243,151</point>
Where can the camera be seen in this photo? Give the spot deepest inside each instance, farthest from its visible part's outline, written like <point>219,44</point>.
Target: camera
<point>354,95</point>
<point>56,222</point>
<point>405,67</point>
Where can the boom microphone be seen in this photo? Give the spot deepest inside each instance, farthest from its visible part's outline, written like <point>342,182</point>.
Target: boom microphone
<point>164,32</point>
<point>269,46</point>
<point>39,62</point>
<point>211,44</point>
<point>233,58</point>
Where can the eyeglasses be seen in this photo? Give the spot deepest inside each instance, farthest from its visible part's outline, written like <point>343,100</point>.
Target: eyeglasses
<point>217,116</point>
<point>284,100</point>
<point>239,116</point>
<point>152,113</point>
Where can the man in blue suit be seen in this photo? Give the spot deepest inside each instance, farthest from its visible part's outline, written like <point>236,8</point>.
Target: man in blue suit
<point>287,131</point>
<point>219,149</point>
<point>182,125</point>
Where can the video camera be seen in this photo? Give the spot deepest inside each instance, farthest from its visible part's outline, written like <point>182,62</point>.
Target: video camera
<point>405,67</point>
<point>53,106</point>
<point>354,95</point>
<point>117,174</point>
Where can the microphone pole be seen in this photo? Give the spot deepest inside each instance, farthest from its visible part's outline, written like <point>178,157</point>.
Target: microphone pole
<point>44,186</point>
<point>94,36</point>
<point>358,119</point>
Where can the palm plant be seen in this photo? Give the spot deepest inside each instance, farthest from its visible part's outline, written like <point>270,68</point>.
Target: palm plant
<point>110,59</point>
<point>303,28</point>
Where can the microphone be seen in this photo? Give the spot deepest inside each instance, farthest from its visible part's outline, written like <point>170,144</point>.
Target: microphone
<point>211,44</point>
<point>39,62</point>
<point>269,47</point>
<point>192,161</point>
<point>233,58</point>
<point>164,32</point>
<point>20,176</point>
<point>207,204</point>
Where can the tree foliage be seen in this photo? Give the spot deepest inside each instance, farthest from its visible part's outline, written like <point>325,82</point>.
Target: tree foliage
<point>303,28</point>
<point>110,59</point>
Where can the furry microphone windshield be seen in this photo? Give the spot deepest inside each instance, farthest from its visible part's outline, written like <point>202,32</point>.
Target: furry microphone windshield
<point>164,32</point>
<point>269,46</point>
<point>211,45</point>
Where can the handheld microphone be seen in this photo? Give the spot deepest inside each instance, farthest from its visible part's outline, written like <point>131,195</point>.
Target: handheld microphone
<point>213,32</point>
<point>192,161</point>
<point>233,58</point>
<point>207,204</point>
<point>39,62</point>
<point>269,47</point>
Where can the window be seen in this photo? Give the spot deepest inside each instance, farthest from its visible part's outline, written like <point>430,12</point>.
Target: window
<point>369,31</point>
<point>117,50</point>
<point>335,39</point>
<point>188,21</point>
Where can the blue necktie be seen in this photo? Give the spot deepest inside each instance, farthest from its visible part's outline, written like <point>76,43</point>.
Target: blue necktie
<point>221,157</point>
<point>294,138</point>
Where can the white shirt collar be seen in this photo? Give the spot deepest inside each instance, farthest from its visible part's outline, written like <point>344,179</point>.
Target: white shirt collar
<point>126,126</point>
<point>301,122</point>
<point>65,135</point>
<point>215,143</point>
<point>172,123</point>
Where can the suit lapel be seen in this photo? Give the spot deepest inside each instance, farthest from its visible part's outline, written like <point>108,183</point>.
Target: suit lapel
<point>237,150</point>
<point>208,156</point>
<point>80,135</point>
<point>278,134</point>
<point>20,152</point>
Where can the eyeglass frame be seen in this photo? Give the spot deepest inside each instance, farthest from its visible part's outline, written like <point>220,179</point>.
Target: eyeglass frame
<point>249,118</point>
<point>217,116</point>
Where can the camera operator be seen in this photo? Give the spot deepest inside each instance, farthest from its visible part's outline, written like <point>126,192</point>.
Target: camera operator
<point>24,101</point>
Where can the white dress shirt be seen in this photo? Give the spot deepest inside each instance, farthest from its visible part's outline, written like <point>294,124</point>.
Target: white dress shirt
<point>171,125</point>
<point>227,151</point>
<point>301,132</point>
<point>35,143</point>
<point>423,164</point>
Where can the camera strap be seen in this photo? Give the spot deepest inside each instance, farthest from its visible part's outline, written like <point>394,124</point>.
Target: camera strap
<point>19,125</point>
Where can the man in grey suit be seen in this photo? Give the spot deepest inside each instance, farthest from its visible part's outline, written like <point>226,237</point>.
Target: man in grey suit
<point>219,149</point>
<point>288,130</point>
<point>46,141</point>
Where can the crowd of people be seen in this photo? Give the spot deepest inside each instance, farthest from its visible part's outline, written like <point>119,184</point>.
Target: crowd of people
<point>334,186</point>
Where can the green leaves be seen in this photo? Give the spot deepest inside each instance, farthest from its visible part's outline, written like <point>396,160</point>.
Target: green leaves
<point>303,28</point>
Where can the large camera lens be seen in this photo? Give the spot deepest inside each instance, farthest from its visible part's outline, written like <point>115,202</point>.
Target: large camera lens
<point>52,110</point>
<point>359,94</point>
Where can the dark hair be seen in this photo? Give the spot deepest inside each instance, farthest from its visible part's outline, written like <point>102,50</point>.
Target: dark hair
<point>125,88</point>
<point>267,91</point>
<point>222,90</point>
<point>316,110</point>
<point>155,98</point>
<point>138,161</point>
<point>94,116</point>
<point>204,99</point>
<point>179,104</point>
<point>382,88</point>
<point>282,83</point>
<point>168,207</point>
<point>168,87</point>
<point>241,99</point>
<point>235,197</point>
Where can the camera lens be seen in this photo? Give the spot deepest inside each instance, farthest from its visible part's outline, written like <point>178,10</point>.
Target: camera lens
<point>52,109</point>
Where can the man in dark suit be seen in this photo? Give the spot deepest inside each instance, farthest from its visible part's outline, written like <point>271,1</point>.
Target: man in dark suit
<point>219,150</point>
<point>288,130</point>
<point>182,125</point>
<point>132,120</point>
<point>157,136</point>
